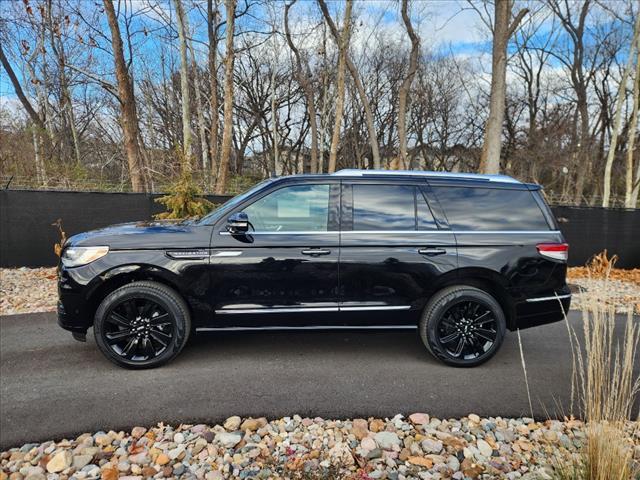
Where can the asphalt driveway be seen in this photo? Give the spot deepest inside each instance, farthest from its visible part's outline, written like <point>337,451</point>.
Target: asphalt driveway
<point>52,386</point>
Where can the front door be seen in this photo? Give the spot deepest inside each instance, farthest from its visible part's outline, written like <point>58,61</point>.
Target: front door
<point>284,270</point>
<point>393,250</point>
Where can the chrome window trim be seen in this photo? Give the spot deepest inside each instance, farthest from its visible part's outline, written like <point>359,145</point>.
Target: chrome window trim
<point>312,309</point>
<point>331,232</point>
<point>407,232</point>
<point>308,327</point>
<point>507,232</point>
<point>546,299</point>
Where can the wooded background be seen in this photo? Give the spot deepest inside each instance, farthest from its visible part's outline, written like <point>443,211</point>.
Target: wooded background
<point>128,95</point>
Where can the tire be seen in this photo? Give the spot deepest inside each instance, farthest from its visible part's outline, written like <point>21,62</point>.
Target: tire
<point>142,325</point>
<point>449,320</point>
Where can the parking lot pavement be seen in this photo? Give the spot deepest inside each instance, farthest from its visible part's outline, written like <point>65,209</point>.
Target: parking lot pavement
<point>52,386</point>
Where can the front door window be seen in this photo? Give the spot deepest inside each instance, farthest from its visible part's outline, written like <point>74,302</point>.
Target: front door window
<point>297,208</point>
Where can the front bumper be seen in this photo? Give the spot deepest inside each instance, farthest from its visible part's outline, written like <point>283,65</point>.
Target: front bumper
<point>69,322</point>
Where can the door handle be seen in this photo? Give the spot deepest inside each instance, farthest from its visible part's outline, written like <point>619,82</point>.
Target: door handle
<point>316,252</point>
<point>431,252</point>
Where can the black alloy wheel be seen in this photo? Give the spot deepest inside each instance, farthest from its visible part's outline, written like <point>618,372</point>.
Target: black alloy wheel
<point>142,325</point>
<point>462,326</point>
<point>138,329</point>
<point>467,330</point>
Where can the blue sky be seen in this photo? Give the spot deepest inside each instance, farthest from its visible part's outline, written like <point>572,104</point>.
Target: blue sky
<point>445,26</point>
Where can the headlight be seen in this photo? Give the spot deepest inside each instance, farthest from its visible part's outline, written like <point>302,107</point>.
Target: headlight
<point>76,256</point>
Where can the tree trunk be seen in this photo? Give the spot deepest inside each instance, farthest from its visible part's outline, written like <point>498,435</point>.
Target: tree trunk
<point>373,137</point>
<point>274,118</point>
<point>129,118</point>
<point>622,93</point>
<point>212,23</point>
<point>40,172</point>
<point>342,39</point>
<point>325,101</point>
<point>583,158</point>
<point>202,129</point>
<point>184,89</point>
<point>303,76</point>
<point>502,31</point>
<point>227,130</point>
<point>403,92</point>
<point>631,190</point>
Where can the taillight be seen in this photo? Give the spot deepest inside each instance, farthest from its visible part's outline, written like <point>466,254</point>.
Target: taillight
<point>556,251</point>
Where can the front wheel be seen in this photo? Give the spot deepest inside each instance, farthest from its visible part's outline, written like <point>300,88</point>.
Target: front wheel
<point>462,326</point>
<point>142,325</point>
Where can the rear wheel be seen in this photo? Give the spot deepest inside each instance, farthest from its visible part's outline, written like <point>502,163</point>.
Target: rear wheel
<point>463,326</point>
<point>142,325</point>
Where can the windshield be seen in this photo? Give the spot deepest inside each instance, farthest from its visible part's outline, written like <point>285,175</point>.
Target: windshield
<point>229,204</point>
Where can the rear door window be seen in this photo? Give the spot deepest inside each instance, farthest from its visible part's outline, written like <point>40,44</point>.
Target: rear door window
<point>390,208</point>
<point>384,207</point>
<point>490,209</point>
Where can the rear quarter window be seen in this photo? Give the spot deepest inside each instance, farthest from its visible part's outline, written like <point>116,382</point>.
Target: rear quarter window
<point>490,209</point>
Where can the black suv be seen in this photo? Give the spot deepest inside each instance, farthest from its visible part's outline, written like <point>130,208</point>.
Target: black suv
<point>460,257</point>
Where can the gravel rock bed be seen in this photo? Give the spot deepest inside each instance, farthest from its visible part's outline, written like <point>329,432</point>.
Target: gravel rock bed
<point>625,296</point>
<point>29,290</point>
<point>417,447</point>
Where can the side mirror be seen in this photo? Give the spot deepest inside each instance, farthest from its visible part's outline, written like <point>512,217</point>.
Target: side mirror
<point>238,223</point>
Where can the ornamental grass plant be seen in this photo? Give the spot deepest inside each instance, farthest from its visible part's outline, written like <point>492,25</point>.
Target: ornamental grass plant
<point>606,389</point>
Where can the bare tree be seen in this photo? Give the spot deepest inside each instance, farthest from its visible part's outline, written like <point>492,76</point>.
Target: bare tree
<point>373,137</point>
<point>227,130</point>
<point>303,76</point>
<point>342,39</point>
<point>622,90</point>
<point>631,187</point>
<point>184,88</point>
<point>580,79</point>
<point>406,86</point>
<point>212,33</point>
<point>129,119</point>
<point>503,29</point>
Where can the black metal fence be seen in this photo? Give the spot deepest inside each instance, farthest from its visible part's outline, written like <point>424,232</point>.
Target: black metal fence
<point>27,235</point>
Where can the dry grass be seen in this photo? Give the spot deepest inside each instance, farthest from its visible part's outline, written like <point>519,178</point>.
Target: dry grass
<point>601,266</point>
<point>607,389</point>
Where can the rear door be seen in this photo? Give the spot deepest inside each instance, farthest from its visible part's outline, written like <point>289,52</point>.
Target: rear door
<point>393,248</point>
<point>498,228</point>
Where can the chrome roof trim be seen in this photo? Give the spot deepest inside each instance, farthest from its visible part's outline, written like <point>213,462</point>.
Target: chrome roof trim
<point>354,172</point>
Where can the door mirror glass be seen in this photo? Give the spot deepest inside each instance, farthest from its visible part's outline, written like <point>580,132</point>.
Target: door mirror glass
<point>238,223</point>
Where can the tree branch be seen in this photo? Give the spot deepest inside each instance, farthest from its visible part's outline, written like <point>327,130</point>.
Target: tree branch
<point>35,118</point>
<point>108,86</point>
<point>516,22</point>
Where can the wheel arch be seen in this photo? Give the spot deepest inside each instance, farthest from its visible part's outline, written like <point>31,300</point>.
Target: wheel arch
<point>489,281</point>
<point>122,275</point>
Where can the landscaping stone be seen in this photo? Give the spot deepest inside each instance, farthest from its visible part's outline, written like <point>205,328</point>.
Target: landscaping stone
<point>396,448</point>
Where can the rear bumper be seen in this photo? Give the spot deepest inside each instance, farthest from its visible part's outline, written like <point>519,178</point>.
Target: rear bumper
<point>541,310</point>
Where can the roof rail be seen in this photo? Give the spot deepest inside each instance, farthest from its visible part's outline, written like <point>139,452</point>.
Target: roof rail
<point>354,172</point>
